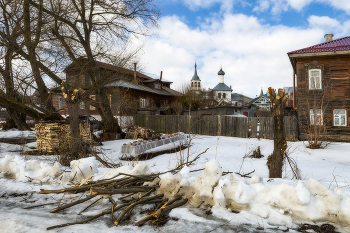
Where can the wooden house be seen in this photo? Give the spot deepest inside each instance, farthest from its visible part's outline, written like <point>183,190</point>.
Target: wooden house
<point>322,89</point>
<point>261,101</point>
<point>129,91</point>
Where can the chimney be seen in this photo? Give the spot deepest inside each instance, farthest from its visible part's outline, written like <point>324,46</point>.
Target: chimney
<point>161,75</point>
<point>328,37</point>
<point>135,72</point>
<point>230,86</point>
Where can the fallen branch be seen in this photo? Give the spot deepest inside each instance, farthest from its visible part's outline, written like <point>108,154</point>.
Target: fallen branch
<point>121,191</point>
<point>121,215</point>
<point>158,212</point>
<point>245,175</point>
<point>71,204</point>
<point>90,205</point>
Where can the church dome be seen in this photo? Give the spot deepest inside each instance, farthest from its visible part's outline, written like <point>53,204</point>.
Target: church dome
<point>221,72</point>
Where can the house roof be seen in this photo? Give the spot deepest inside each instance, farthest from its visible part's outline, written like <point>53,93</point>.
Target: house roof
<point>221,87</point>
<point>81,62</point>
<point>163,91</point>
<point>258,99</point>
<point>334,45</point>
<point>235,97</point>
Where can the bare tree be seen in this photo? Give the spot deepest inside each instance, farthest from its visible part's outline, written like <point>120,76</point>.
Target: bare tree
<point>11,23</point>
<point>84,27</point>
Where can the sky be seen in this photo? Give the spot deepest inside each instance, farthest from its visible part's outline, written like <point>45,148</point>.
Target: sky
<point>250,39</point>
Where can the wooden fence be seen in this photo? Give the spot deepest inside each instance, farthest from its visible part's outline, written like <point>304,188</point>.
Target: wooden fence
<point>215,125</point>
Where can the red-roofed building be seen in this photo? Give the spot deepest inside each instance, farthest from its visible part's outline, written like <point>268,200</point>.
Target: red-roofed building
<point>322,89</point>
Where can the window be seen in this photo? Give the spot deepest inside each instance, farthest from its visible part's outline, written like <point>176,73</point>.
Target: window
<point>142,103</point>
<point>60,102</point>
<point>92,97</point>
<point>195,84</point>
<point>316,117</point>
<point>82,105</point>
<point>315,79</point>
<point>339,116</point>
<point>224,95</point>
<point>199,84</point>
<point>219,95</point>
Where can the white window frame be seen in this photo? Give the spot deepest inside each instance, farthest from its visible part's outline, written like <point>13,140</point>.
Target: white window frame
<point>313,80</point>
<point>93,98</point>
<point>60,102</point>
<point>319,117</point>
<point>82,105</point>
<point>142,102</point>
<point>337,117</point>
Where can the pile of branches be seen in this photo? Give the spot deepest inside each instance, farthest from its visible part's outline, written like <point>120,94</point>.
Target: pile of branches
<point>134,190</point>
<point>143,132</point>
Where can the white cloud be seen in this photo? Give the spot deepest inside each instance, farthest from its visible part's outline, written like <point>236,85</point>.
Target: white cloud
<point>339,4</point>
<point>330,25</point>
<point>278,6</point>
<point>263,5</point>
<point>323,21</point>
<point>298,4</point>
<point>252,54</point>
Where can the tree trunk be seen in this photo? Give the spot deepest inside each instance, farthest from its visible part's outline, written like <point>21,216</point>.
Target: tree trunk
<point>280,144</point>
<point>19,119</point>
<point>110,124</point>
<point>75,139</point>
<point>6,73</point>
<point>74,143</point>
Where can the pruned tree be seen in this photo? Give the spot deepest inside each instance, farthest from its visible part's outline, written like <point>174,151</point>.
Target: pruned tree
<point>275,160</point>
<point>72,98</point>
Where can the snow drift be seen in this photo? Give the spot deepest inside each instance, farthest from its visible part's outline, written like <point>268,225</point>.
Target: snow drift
<point>23,171</point>
<point>280,204</point>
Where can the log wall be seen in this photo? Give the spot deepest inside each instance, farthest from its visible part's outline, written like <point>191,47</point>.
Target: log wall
<point>335,94</point>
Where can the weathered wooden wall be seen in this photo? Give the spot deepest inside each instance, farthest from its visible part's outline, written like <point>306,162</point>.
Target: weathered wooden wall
<point>335,94</point>
<point>215,125</point>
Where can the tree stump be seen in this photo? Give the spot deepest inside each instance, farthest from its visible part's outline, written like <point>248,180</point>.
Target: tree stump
<point>280,145</point>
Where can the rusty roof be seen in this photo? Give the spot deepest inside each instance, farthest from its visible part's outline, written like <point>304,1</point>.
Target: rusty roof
<point>81,62</point>
<point>334,45</point>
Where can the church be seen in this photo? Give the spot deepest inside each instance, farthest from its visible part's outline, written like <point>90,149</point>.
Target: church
<point>221,92</point>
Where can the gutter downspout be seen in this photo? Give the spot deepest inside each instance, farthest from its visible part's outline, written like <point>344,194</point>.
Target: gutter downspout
<point>294,97</point>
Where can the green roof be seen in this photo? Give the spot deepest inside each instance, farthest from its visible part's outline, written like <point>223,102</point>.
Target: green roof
<point>221,72</point>
<point>195,76</point>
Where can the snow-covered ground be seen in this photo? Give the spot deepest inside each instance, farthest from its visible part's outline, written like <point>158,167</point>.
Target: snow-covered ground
<point>264,205</point>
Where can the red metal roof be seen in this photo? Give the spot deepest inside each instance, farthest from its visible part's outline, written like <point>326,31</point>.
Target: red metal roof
<point>334,45</point>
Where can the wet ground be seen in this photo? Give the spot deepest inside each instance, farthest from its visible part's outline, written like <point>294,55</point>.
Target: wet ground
<point>17,141</point>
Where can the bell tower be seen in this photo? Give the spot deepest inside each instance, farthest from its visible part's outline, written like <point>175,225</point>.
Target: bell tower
<point>195,81</point>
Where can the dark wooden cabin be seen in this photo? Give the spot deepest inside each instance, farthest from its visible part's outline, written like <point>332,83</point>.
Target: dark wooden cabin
<point>129,91</point>
<point>322,89</point>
